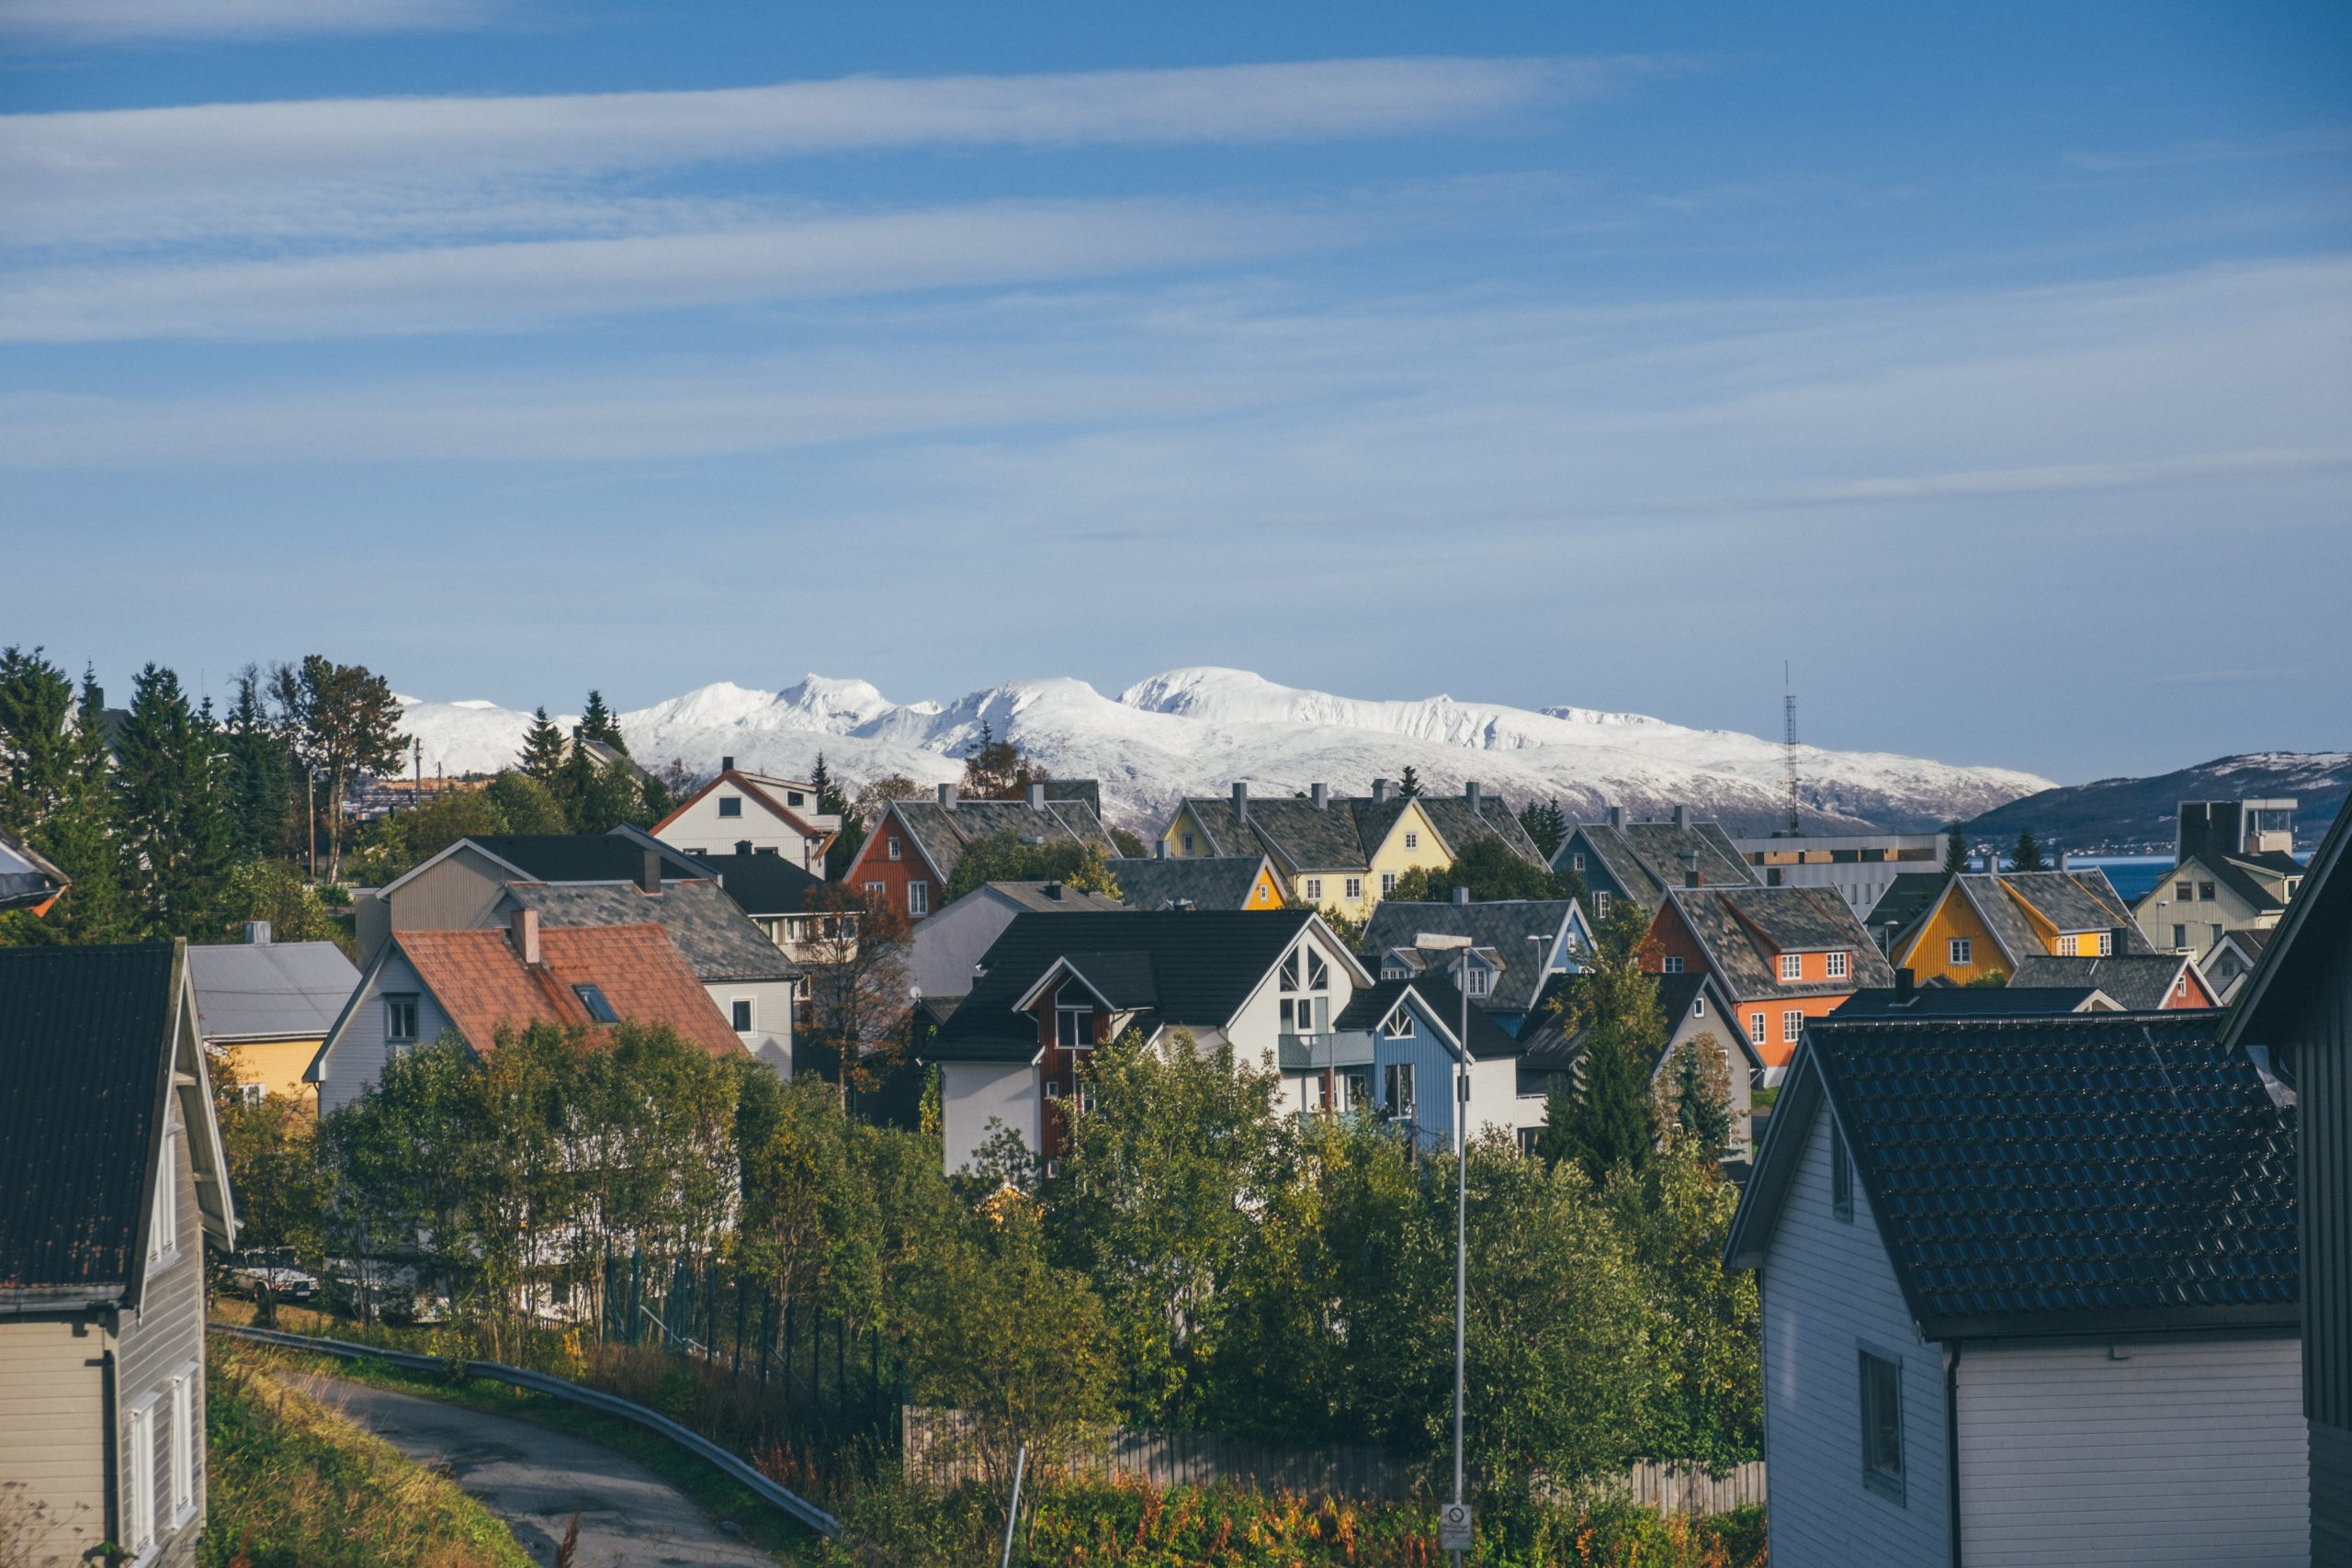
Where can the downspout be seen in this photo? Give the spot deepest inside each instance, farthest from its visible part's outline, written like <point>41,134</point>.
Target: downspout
<point>1952,1446</point>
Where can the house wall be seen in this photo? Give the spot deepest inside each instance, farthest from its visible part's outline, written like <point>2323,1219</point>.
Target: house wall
<point>277,1066</point>
<point>951,941</point>
<point>1929,952</point>
<point>2320,1036</point>
<point>354,1055</point>
<point>460,894</point>
<point>1827,1290</point>
<point>2160,909</point>
<point>1593,869</point>
<point>1265,891</point>
<point>699,827</point>
<point>770,1037</point>
<point>1183,822</point>
<point>162,1340</point>
<point>971,1093</point>
<point>2187,1452</point>
<point>53,1426</point>
<point>874,866</point>
<point>1256,1029</point>
<point>1393,857</point>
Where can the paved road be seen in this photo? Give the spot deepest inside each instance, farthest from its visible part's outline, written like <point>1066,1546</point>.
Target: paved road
<point>536,1479</point>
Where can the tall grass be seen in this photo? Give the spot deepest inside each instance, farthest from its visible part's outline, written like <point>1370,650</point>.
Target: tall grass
<point>294,1485</point>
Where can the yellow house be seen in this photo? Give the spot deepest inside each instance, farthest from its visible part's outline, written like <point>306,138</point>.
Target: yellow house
<point>1345,854</point>
<point>265,1007</point>
<point>1203,882</point>
<point>1986,924</point>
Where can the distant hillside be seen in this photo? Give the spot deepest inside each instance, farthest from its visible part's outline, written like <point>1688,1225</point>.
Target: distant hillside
<point>2128,814</point>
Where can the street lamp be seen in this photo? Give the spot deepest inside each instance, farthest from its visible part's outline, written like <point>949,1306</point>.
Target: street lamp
<point>1461,1217</point>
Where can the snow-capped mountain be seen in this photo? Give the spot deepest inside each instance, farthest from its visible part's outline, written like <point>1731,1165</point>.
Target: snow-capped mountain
<point>1197,731</point>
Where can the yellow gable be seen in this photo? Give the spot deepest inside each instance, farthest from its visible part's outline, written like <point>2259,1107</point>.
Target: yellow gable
<point>1933,953</point>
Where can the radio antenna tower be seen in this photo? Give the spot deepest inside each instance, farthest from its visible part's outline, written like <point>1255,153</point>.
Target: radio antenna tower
<point>1788,750</point>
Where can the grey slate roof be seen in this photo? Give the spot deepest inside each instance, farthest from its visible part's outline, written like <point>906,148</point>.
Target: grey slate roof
<point>1645,858</point>
<point>85,1052</point>
<point>1550,1046</point>
<point>1032,896</point>
<point>2140,982</point>
<point>1460,827</point>
<point>1502,924</point>
<point>1210,882</point>
<point>1744,929</point>
<point>2075,900</point>
<point>941,833</point>
<point>1487,1039</point>
<point>1203,964</point>
<point>1295,834</point>
<point>710,933</point>
<point>765,884</point>
<point>1908,897</point>
<point>2098,1172</point>
<point>580,857</point>
<point>271,990</point>
<point>2041,1000</point>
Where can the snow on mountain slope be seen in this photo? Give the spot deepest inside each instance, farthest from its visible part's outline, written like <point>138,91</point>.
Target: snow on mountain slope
<point>1195,732</point>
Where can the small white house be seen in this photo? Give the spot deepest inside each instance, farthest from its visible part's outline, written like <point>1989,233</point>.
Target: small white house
<point>2030,1296</point>
<point>748,813</point>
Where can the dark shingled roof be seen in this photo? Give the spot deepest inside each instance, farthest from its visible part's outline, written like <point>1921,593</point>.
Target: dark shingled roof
<point>85,1049</point>
<point>1971,1001</point>
<point>2077,901</point>
<point>1645,858</point>
<point>580,857</point>
<point>1502,924</point>
<point>1910,895</point>
<point>1549,1047</point>
<point>2140,982</point>
<point>714,938</point>
<point>1460,827</point>
<point>1211,882</point>
<point>1204,964</point>
<point>1726,921</point>
<point>941,833</point>
<point>2304,954</point>
<point>1487,1041</point>
<point>1294,833</point>
<point>2100,1172</point>
<point>764,885</point>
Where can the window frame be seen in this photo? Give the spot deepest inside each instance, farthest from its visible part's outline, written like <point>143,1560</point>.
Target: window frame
<point>1878,1373</point>
<point>743,1014</point>
<point>2107,944</point>
<point>1354,886</point>
<point>2205,893</point>
<point>600,1007</point>
<point>1792,1025</point>
<point>1960,954</point>
<point>182,1438</point>
<point>1836,965</point>
<point>1412,841</point>
<point>891,846</point>
<point>1402,1096</point>
<point>396,1002</point>
<point>163,1223</point>
<point>1067,1038</point>
<point>138,1519</point>
<point>1388,882</point>
<point>1699,1005</point>
<point>918,899</point>
<point>1791,968</point>
<point>1188,845</point>
<point>1759,1029</point>
<point>1673,962</point>
<point>1480,980</point>
<point>730,806</point>
<point>1315,890</point>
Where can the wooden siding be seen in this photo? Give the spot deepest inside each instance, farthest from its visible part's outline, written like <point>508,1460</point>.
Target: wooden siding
<point>2187,1451</point>
<point>2331,1496</point>
<point>1928,956</point>
<point>458,895</point>
<point>52,1425</point>
<point>1827,1288</point>
<point>158,1342</point>
<point>355,1056</point>
<point>2322,1038</point>
<point>873,864</point>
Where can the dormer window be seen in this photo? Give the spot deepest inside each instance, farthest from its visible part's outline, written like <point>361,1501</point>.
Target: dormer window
<point>1394,971</point>
<point>1791,966</point>
<point>793,797</point>
<point>1576,861</point>
<point>730,806</point>
<point>1673,962</point>
<point>1074,1027</point>
<point>592,999</point>
<point>1481,979</point>
<point>1836,965</point>
<point>2107,944</point>
<point>1188,843</point>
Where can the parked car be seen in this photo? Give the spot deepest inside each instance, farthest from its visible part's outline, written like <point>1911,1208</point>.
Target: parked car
<point>272,1269</point>
<point>391,1292</point>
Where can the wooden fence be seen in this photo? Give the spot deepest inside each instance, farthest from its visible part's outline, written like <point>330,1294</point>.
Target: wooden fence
<point>937,1447</point>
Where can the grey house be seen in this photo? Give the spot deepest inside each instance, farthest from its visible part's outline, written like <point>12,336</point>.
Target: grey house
<point>948,945</point>
<point>2031,1296</point>
<point>460,889</point>
<point>2296,1015</point>
<point>111,1184</point>
<point>1639,861</point>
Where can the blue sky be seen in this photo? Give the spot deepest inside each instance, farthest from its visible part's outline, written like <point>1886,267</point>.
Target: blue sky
<point>1989,364</point>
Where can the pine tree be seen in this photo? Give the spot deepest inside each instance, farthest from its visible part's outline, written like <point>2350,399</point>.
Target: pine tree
<point>345,722</point>
<point>598,723</point>
<point>542,748</point>
<point>1409,785</point>
<point>1612,1123</point>
<point>1701,1110</point>
<point>256,773</point>
<point>174,830</point>
<point>79,836</point>
<point>36,738</point>
<point>1545,825</point>
<point>53,796</point>
<point>1613,1006</point>
<point>574,786</point>
<point>1955,850</point>
<point>2028,854</point>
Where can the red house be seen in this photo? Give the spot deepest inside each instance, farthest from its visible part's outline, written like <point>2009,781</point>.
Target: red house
<point>1782,955</point>
<point>909,857</point>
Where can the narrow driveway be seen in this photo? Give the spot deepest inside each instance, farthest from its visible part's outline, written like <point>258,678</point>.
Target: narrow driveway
<point>536,1479</point>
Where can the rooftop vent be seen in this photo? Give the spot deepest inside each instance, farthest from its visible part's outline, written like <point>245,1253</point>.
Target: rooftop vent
<point>257,934</point>
<point>1617,816</point>
<point>648,870</point>
<point>1320,794</point>
<point>1380,788</point>
<point>1037,798</point>
<point>1682,817</point>
<point>1240,801</point>
<point>1462,895</point>
<point>1475,794</point>
<point>947,797</point>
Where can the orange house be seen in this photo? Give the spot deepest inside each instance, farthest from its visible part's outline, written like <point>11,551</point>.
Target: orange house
<point>1986,923</point>
<point>1782,955</point>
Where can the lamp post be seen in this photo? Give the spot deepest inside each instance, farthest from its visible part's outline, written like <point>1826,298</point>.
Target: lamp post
<point>1461,1214</point>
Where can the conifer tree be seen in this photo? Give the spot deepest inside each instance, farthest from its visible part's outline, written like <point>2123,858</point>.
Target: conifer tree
<point>574,785</point>
<point>53,798</point>
<point>79,836</point>
<point>345,723</point>
<point>2028,854</point>
<point>542,748</point>
<point>1612,1124</point>
<point>598,723</point>
<point>1408,784</point>
<point>36,738</point>
<point>174,831</point>
<point>1955,850</point>
<point>1613,1005</point>
<point>1545,825</point>
<point>256,770</point>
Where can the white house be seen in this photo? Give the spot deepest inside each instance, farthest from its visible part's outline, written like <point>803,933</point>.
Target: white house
<point>2030,1296</point>
<point>741,812</point>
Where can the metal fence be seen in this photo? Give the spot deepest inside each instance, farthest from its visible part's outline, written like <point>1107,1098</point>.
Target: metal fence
<point>938,1447</point>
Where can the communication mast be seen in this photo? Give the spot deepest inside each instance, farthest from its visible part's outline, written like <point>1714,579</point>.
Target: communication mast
<point>1789,750</point>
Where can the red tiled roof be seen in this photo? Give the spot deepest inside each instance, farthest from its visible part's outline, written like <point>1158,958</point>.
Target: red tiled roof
<point>482,983</point>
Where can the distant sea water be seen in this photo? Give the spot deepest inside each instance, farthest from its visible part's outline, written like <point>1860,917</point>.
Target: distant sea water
<point>2132,876</point>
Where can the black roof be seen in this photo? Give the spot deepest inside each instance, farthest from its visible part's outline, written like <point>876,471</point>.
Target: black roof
<point>85,1049</point>
<point>1911,894</point>
<point>1211,882</point>
<point>1202,964</point>
<point>1487,1039</point>
<point>2136,982</point>
<point>2304,956</point>
<point>581,857</point>
<point>764,885</point>
<point>1967,1001</point>
<point>2091,1173</point>
<point>1501,924</point>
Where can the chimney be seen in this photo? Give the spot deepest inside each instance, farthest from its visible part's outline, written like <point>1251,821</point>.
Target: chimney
<point>1462,894</point>
<point>1037,798</point>
<point>1617,816</point>
<point>727,765</point>
<point>1691,875</point>
<point>1380,788</point>
<point>1992,863</point>
<point>2123,939</point>
<point>1240,801</point>
<point>1320,794</point>
<point>2065,859</point>
<point>525,931</point>
<point>1682,817</point>
<point>648,870</point>
<point>742,846</point>
<point>1474,795</point>
<point>1903,980</point>
<point>1053,891</point>
<point>1159,849</point>
<point>947,797</point>
<point>257,934</point>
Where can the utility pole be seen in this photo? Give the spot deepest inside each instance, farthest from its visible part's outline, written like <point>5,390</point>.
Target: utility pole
<point>311,814</point>
<point>1461,1236</point>
<point>1789,748</point>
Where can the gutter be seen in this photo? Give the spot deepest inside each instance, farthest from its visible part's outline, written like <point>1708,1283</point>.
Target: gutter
<point>1952,1446</point>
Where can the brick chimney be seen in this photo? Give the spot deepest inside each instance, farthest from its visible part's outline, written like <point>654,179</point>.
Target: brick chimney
<point>1617,816</point>
<point>947,794</point>
<point>524,930</point>
<point>1052,890</point>
<point>1240,801</point>
<point>1691,875</point>
<point>648,870</point>
<point>727,765</point>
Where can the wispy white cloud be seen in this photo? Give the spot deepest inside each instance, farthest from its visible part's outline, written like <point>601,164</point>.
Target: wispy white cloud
<point>115,21</point>
<point>326,166</point>
<point>2324,141</point>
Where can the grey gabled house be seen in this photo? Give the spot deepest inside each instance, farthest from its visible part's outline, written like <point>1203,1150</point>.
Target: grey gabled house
<point>2296,1016</point>
<point>2030,1296</point>
<point>111,1185</point>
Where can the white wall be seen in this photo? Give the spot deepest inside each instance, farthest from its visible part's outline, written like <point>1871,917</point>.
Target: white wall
<point>973,1093</point>
<point>1827,1288</point>
<point>354,1055</point>
<point>770,1037</point>
<point>2187,1452</point>
<point>700,827</point>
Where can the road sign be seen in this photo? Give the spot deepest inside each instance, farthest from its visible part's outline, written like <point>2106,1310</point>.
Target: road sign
<point>1453,1527</point>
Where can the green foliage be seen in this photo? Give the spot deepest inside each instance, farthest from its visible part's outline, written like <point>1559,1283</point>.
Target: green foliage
<point>36,739</point>
<point>1955,849</point>
<point>998,770</point>
<point>1003,857</point>
<point>274,891</point>
<point>1545,823</point>
<point>59,800</point>
<point>611,795</point>
<point>543,748</point>
<point>343,723</point>
<point>1695,1096</point>
<point>525,804</point>
<point>1130,846</point>
<point>1409,785</point>
<point>273,1169</point>
<point>1614,1003</point>
<point>173,827</point>
<point>257,776</point>
<point>1490,869</point>
<point>1991,980</point>
<point>2027,855</point>
<point>599,723</point>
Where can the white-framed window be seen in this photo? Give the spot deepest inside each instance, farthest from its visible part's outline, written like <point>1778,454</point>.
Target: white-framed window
<point>1881,1412</point>
<point>2204,892</point>
<point>1085,1096</point>
<point>183,1439</point>
<point>1305,1015</point>
<point>1074,1027</point>
<point>2180,986</point>
<point>1673,963</point>
<point>741,1009</point>
<point>2183,891</point>
<point>1792,1026</point>
<point>1963,951</point>
<point>1053,1089</point>
<point>891,847</point>
<point>1481,978</point>
<point>1354,886</point>
<point>1756,1032</point>
<point>878,889</point>
<point>794,797</point>
<point>139,1491</point>
<point>252,1093</point>
<point>1397,1025</point>
<point>1315,890</point>
<point>1836,965</point>
<point>1400,1088</point>
<point>1412,841</point>
<point>164,1228</point>
<point>730,806</point>
<point>400,1018</point>
<point>2066,945</point>
<point>1792,967</point>
<point>918,897</point>
<point>1600,905</point>
<point>1576,861</point>
<point>1388,882</point>
<point>2180,938</point>
<point>2215,930</point>
<point>2107,944</point>
<point>1698,1007</point>
<point>1188,843</point>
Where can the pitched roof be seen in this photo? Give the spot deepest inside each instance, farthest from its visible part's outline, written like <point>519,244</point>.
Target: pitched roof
<point>87,1037</point>
<point>1908,897</point>
<point>1645,858</point>
<point>1550,1046</point>
<point>1978,1002</point>
<point>764,883</point>
<point>1366,1010</point>
<point>2098,1172</point>
<point>940,832</point>
<point>2076,901</point>
<point>2225,870</point>
<point>1209,882</point>
<point>1204,964</point>
<point>483,984</point>
<point>27,880</point>
<point>580,857</point>
<point>1460,827</point>
<point>1297,835</point>
<point>1034,895</point>
<point>1502,924</point>
<point>707,928</point>
<point>2140,982</point>
<point>269,990</point>
<point>2301,950</point>
<point>1744,929</point>
<point>770,793</point>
